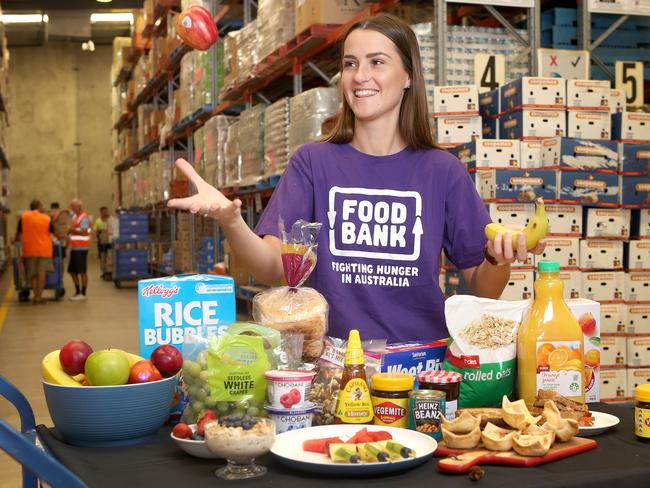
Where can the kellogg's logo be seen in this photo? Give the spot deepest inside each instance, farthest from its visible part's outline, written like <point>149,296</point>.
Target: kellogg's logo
<point>160,290</point>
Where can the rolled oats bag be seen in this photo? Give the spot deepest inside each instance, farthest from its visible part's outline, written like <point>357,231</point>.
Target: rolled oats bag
<point>483,347</point>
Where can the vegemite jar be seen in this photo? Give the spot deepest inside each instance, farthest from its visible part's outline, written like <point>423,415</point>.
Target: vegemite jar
<point>426,409</point>
<point>390,398</point>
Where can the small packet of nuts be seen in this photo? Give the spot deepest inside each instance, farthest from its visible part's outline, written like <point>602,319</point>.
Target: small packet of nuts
<point>329,369</point>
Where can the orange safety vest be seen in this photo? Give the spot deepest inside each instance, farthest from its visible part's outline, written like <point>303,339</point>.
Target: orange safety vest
<point>35,230</point>
<point>81,242</point>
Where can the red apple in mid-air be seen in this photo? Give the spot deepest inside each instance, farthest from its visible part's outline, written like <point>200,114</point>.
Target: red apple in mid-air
<point>196,28</point>
<point>168,359</point>
<point>73,357</point>
<point>144,371</point>
<point>107,367</point>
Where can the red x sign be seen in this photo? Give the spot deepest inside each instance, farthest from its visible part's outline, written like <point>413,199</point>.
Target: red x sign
<point>553,60</point>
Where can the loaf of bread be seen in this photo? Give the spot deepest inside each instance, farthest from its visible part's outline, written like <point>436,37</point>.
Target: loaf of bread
<point>297,310</point>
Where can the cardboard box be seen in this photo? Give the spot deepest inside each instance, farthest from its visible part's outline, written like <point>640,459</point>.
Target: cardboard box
<point>533,92</point>
<point>613,318</point>
<point>455,284</point>
<point>519,286</point>
<point>616,100</point>
<point>614,222</point>
<point>564,220</point>
<point>633,127</point>
<point>488,104</point>
<point>572,280</point>
<point>489,128</point>
<point>638,318</point>
<point>634,159</point>
<point>531,154</point>
<point>588,95</point>
<point>532,124</point>
<point>636,377</point>
<point>613,351</point>
<point>455,100</point>
<point>603,286</point>
<point>579,154</point>
<point>588,188</point>
<point>587,313</point>
<point>310,12</point>
<point>641,223</point>
<point>565,250</point>
<point>637,255</point>
<point>601,254</point>
<point>512,185</point>
<point>456,130</point>
<point>488,153</point>
<point>589,125</point>
<point>637,287</point>
<point>638,352</point>
<point>170,308</point>
<point>613,384</point>
<point>511,214</point>
<point>635,191</point>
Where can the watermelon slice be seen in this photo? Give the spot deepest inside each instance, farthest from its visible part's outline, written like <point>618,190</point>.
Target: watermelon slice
<point>356,438</point>
<point>380,435</point>
<point>320,445</point>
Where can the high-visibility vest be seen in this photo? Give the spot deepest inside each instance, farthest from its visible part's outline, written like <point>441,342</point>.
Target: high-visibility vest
<point>77,241</point>
<point>35,231</point>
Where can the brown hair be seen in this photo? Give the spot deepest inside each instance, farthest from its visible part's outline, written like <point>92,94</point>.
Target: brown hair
<point>413,115</point>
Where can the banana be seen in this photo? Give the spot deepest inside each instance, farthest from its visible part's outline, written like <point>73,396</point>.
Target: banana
<point>133,358</point>
<point>53,372</point>
<point>534,231</point>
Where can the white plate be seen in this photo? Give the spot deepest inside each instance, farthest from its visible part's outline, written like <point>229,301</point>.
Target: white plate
<point>288,449</point>
<point>602,422</point>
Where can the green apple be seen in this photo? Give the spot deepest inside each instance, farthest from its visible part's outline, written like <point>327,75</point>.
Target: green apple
<point>107,367</point>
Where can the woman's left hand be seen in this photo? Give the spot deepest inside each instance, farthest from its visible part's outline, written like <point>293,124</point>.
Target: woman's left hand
<point>503,253</point>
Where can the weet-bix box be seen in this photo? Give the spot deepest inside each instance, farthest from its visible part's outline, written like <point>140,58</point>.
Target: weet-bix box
<point>169,308</point>
<point>414,357</point>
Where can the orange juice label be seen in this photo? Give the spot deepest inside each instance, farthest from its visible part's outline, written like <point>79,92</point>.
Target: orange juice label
<point>560,367</point>
<point>354,403</point>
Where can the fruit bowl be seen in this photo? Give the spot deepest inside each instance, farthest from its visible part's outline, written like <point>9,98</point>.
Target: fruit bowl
<point>194,448</point>
<point>102,416</point>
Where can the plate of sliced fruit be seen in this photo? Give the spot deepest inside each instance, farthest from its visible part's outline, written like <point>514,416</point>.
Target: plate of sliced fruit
<point>353,449</point>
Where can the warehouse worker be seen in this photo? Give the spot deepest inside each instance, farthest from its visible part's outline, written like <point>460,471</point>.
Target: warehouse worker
<point>61,221</point>
<point>79,238</point>
<point>35,232</point>
<point>101,231</point>
<point>389,200</point>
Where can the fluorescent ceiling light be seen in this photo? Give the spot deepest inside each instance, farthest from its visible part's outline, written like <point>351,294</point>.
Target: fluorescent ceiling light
<point>111,17</point>
<point>104,1</point>
<point>23,18</point>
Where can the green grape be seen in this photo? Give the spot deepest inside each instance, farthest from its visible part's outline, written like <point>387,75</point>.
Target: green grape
<point>222,407</point>
<point>253,411</point>
<point>201,394</point>
<point>256,403</point>
<point>204,375</point>
<point>192,391</point>
<point>263,414</point>
<point>210,403</point>
<point>192,367</point>
<point>197,406</point>
<point>202,359</point>
<point>188,379</point>
<point>243,404</point>
<point>239,412</point>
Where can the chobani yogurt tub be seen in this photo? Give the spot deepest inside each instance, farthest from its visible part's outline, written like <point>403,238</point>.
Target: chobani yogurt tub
<point>297,417</point>
<point>286,388</point>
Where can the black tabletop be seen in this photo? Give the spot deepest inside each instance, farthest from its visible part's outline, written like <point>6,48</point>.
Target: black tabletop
<point>619,460</point>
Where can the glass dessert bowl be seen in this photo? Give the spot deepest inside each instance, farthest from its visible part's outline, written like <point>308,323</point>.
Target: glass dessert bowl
<point>240,440</point>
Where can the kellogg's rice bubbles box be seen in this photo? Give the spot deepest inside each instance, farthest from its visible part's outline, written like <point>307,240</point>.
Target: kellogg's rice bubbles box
<point>169,308</point>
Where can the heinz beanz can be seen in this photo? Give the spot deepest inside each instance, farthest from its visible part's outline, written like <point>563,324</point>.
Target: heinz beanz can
<point>426,409</point>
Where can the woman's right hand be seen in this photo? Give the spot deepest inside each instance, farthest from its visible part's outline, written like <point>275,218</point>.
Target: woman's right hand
<point>208,200</point>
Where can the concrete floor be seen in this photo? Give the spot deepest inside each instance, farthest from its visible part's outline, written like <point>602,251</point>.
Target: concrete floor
<point>107,319</point>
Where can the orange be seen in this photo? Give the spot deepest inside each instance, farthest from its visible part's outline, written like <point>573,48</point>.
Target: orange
<point>546,348</point>
<point>588,375</point>
<point>592,358</point>
<point>542,358</point>
<point>557,358</point>
<point>575,354</point>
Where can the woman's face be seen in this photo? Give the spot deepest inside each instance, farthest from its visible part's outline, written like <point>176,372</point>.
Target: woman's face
<point>373,77</point>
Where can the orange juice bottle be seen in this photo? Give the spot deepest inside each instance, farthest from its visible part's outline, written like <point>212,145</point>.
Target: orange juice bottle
<point>550,342</point>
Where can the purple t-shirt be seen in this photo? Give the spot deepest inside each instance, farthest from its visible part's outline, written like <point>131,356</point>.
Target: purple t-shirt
<point>385,221</point>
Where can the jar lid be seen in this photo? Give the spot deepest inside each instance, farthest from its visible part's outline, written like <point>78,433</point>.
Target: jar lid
<point>439,377</point>
<point>642,393</point>
<point>392,381</point>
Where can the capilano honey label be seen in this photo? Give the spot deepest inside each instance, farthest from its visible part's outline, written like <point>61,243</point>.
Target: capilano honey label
<point>354,405</point>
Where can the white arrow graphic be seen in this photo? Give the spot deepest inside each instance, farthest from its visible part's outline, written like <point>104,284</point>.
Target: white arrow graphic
<point>331,216</point>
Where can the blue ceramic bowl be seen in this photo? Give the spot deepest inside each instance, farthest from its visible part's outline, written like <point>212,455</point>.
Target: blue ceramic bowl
<point>102,416</point>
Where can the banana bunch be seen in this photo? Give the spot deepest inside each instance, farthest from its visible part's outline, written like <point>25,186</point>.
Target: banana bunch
<point>52,371</point>
<point>534,231</point>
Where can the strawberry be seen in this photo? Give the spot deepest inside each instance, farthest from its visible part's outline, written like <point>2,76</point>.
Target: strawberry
<point>294,394</point>
<point>182,431</point>
<point>200,426</point>
<point>207,414</point>
<point>285,400</point>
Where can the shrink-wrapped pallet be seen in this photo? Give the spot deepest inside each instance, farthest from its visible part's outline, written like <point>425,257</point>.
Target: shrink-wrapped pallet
<point>251,144</point>
<point>230,60</point>
<point>215,134</point>
<point>247,51</point>
<point>275,19</point>
<point>308,111</point>
<point>276,137</point>
<point>233,156</point>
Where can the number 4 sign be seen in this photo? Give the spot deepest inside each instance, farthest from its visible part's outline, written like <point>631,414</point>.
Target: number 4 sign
<point>564,63</point>
<point>629,77</point>
<point>489,71</point>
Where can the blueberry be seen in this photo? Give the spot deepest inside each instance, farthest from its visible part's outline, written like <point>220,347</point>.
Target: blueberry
<point>405,452</point>
<point>382,457</point>
<point>354,459</point>
<point>197,437</point>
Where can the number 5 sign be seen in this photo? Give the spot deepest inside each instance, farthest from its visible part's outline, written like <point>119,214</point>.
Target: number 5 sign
<point>489,71</point>
<point>629,77</point>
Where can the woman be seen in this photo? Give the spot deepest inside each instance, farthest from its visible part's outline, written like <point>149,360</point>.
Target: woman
<point>390,201</point>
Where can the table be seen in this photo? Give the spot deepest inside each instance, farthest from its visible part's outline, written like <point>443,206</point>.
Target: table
<point>619,460</point>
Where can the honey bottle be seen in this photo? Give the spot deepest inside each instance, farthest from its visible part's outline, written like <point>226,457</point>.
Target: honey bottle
<point>354,405</point>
